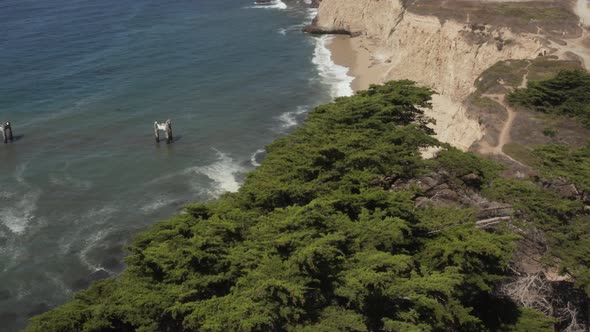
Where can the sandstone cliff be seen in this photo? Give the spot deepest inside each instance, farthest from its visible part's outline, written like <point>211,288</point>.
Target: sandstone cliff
<point>447,55</point>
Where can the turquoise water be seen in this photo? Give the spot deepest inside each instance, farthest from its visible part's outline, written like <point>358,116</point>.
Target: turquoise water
<point>82,81</point>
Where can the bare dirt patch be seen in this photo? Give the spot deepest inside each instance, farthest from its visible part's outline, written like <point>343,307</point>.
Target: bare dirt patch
<point>512,133</point>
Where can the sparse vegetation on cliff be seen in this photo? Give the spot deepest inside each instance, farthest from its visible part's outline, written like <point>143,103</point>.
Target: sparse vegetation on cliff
<point>334,232</point>
<point>567,94</point>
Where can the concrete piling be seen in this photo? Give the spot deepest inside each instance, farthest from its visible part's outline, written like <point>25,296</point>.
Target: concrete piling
<point>169,138</point>
<point>6,129</point>
<point>167,128</point>
<point>156,132</point>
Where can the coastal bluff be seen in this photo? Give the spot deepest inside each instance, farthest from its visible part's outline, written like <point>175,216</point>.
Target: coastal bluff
<point>444,45</point>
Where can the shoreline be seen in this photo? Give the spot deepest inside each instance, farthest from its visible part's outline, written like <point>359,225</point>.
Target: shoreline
<point>355,54</point>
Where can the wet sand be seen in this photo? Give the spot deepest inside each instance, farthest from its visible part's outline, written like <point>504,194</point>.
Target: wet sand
<point>356,54</point>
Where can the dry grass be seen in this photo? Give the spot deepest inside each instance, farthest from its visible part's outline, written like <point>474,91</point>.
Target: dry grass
<point>554,18</point>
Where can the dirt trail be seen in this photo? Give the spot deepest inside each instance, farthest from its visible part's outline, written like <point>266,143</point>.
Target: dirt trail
<point>579,46</point>
<point>504,137</point>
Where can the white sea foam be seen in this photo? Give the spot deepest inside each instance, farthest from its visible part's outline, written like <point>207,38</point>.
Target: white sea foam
<point>290,119</point>
<point>311,14</point>
<point>87,224</point>
<point>90,242</point>
<point>157,204</point>
<point>101,215</point>
<point>223,173</point>
<point>278,4</point>
<point>296,27</point>
<point>18,215</point>
<point>275,4</point>
<point>254,157</point>
<point>334,75</point>
<point>17,209</point>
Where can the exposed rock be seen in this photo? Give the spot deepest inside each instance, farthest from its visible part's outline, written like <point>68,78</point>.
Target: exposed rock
<point>315,3</point>
<point>316,30</point>
<point>472,179</point>
<point>568,191</point>
<point>565,189</point>
<point>448,56</point>
<point>438,189</point>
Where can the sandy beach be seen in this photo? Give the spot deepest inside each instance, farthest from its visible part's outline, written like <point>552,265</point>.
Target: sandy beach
<point>452,124</point>
<point>356,54</point>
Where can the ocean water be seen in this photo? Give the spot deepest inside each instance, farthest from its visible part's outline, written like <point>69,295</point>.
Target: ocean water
<point>82,82</point>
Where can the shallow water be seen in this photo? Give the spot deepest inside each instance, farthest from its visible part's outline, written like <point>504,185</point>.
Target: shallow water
<point>82,82</point>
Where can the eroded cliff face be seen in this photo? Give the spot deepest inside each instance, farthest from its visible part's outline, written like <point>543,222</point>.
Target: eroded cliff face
<point>446,55</point>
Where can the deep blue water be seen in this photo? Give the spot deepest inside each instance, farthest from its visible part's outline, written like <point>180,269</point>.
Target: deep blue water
<point>82,81</point>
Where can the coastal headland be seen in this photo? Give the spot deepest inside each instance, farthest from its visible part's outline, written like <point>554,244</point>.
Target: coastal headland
<point>448,192</point>
<point>447,45</point>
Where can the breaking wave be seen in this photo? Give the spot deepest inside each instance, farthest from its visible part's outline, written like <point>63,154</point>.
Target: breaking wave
<point>275,4</point>
<point>335,76</point>
<point>223,174</point>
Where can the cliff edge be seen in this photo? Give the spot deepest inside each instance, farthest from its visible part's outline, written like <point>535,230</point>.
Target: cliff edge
<point>447,45</point>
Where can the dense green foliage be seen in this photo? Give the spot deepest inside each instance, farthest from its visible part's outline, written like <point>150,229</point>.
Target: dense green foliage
<point>568,94</point>
<point>565,225</point>
<point>560,161</point>
<point>564,222</point>
<point>315,241</point>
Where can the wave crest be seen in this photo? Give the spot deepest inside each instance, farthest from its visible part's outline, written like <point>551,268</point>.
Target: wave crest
<point>334,75</point>
<point>222,172</point>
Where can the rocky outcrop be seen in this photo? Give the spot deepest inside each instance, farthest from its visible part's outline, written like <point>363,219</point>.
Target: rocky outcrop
<point>316,30</point>
<point>440,189</point>
<point>315,3</point>
<point>445,55</point>
<point>567,190</point>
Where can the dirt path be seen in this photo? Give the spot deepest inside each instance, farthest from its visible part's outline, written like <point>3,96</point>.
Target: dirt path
<point>579,46</point>
<point>504,137</point>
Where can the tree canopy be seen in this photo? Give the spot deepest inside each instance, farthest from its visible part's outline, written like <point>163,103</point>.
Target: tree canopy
<point>568,94</point>
<point>316,240</point>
